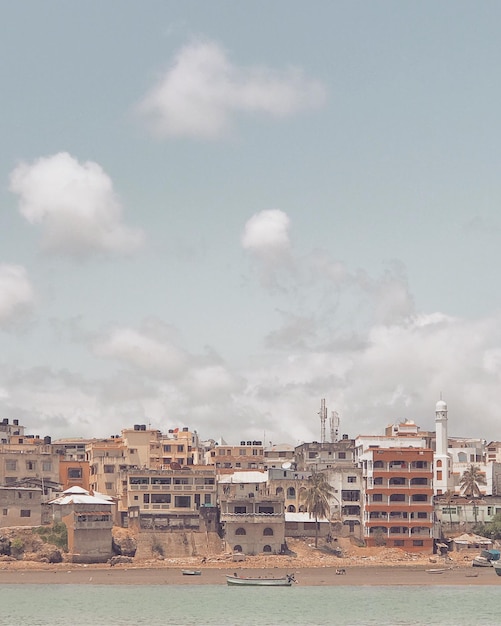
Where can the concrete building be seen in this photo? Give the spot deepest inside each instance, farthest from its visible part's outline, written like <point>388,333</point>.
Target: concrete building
<point>89,522</point>
<point>169,499</point>
<point>20,506</point>
<point>398,506</point>
<point>252,519</point>
<point>315,456</point>
<point>249,455</point>
<point>279,455</point>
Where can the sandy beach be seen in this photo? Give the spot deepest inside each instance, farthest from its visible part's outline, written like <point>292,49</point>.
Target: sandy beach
<point>357,575</point>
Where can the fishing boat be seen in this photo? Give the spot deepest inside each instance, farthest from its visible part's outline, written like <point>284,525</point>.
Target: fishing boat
<point>481,561</point>
<point>437,570</point>
<point>283,581</point>
<point>191,572</point>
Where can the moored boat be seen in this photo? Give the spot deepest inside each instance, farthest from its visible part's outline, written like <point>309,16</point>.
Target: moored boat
<point>481,561</point>
<point>282,581</point>
<point>191,572</point>
<point>497,567</point>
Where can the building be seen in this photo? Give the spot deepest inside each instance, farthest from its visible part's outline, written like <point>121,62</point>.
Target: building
<point>89,521</point>
<point>20,506</point>
<point>398,502</point>
<point>169,499</point>
<point>253,520</point>
<point>315,456</point>
<point>248,455</point>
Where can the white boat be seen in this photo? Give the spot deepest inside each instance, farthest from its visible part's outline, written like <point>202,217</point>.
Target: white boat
<point>191,572</point>
<point>283,581</point>
<point>437,570</point>
<point>481,561</point>
<point>497,567</point>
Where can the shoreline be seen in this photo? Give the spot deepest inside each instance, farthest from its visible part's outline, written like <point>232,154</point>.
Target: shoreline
<point>356,575</point>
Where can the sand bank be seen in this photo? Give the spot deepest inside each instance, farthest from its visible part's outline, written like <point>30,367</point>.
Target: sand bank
<point>129,575</point>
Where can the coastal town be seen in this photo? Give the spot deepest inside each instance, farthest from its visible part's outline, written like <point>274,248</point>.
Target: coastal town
<point>405,496</point>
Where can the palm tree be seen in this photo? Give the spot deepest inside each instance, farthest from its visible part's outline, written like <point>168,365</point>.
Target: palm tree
<point>316,498</point>
<point>448,496</point>
<point>470,481</point>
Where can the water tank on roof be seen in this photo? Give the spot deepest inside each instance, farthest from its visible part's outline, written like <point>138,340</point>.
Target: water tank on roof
<point>345,436</point>
<point>15,422</point>
<point>5,420</point>
<point>249,443</point>
<point>185,429</point>
<point>143,427</point>
<point>136,427</point>
<point>47,440</point>
<point>242,443</point>
<point>259,443</point>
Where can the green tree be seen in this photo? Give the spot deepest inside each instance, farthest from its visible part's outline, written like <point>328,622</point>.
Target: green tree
<point>470,481</point>
<point>316,498</point>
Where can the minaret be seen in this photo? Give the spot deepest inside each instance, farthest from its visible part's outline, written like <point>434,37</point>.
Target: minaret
<point>442,460</point>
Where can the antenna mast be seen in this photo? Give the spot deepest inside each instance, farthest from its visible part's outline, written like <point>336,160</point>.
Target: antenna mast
<point>334,424</point>
<point>323,420</point>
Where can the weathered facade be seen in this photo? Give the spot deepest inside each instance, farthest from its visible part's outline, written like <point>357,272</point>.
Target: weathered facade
<point>20,506</point>
<point>253,520</point>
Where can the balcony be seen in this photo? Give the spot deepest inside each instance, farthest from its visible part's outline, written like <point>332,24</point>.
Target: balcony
<point>255,518</point>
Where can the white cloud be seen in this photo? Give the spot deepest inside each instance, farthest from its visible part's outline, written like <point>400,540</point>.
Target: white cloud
<point>16,293</point>
<point>142,351</point>
<point>266,234</point>
<point>75,204</point>
<point>202,91</point>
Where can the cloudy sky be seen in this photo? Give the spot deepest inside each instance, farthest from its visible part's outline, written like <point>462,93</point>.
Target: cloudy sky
<point>215,214</point>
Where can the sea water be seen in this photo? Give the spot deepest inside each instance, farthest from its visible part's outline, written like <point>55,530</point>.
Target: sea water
<point>184,605</point>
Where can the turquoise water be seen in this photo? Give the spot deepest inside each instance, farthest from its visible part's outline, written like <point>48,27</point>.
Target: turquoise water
<point>183,605</point>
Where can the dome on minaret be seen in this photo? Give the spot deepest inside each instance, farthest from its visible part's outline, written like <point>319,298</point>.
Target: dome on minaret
<point>441,406</point>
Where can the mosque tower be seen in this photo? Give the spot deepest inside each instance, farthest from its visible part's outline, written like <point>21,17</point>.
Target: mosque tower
<point>442,460</point>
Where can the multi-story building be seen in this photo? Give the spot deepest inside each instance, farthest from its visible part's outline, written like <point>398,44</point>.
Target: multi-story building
<point>288,484</point>
<point>346,501</point>
<point>248,455</point>
<point>169,499</point>
<point>28,458</point>
<point>20,506</point>
<point>315,456</point>
<point>398,503</point>
<point>279,456</point>
<point>253,520</point>
<point>106,459</point>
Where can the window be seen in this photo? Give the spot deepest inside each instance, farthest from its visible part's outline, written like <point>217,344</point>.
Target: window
<point>109,469</point>
<point>439,475</point>
<point>74,472</point>
<point>108,486</point>
<point>420,497</point>
<point>46,466</point>
<point>237,548</point>
<point>268,532</point>
<point>266,509</point>
<point>240,531</point>
<point>397,497</point>
<point>10,466</point>
<point>161,498</point>
<point>241,510</point>
<point>31,465</point>
<point>377,497</point>
<point>341,455</point>
<point>352,479</point>
<point>25,513</point>
<point>255,452</point>
<point>242,452</point>
<point>418,542</point>
<point>291,492</point>
<point>422,515</point>
<point>136,480</point>
<point>146,498</point>
<point>180,448</point>
<point>166,448</point>
<point>207,498</point>
<point>5,511</point>
<point>291,508</point>
<point>182,502</point>
<point>398,543</point>
<point>267,548</point>
<point>312,455</point>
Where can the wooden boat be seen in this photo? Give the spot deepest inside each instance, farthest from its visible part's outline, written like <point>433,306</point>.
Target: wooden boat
<point>481,561</point>
<point>437,570</point>
<point>191,572</point>
<point>497,567</point>
<point>283,581</point>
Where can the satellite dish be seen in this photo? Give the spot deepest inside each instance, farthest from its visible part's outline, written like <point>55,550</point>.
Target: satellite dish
<point>287,465</point>
<point>175,466</point>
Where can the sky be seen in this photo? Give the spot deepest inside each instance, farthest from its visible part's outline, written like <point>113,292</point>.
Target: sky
<point>217,214</point>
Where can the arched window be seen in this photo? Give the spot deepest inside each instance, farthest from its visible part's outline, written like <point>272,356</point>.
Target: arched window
<point>268,532</point>
<point>439,463</point>
<point>237,548</point>
<point>462,458</point>
<point>291,492</point>
<point>291,508</point>
<point>279,491</point>
<point>302,508</point>
<point>267,548</point>
<point>240,531</point>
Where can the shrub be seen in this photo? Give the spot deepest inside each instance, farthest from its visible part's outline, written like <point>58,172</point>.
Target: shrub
<point>17,548</point>
<point>56,535</point>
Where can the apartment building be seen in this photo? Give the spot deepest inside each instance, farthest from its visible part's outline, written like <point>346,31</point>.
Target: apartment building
<point>169,499</point>
<point>249,455</point>
<point>20,506</point>
<point>315,456</point>
<point>398,501</point>
<point>253,520</point>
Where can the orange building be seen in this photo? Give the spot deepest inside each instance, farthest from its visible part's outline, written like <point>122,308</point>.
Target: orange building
<point>398,506</point>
